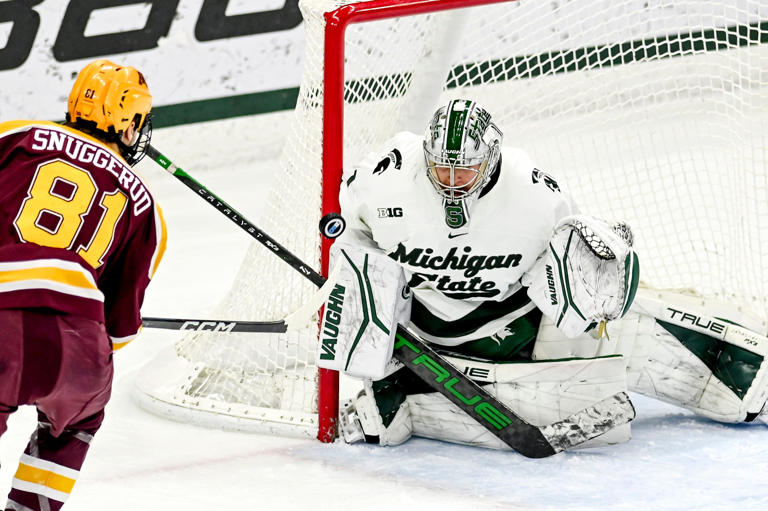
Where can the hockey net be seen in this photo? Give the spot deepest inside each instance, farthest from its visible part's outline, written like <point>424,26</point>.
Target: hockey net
<point>650,112</point>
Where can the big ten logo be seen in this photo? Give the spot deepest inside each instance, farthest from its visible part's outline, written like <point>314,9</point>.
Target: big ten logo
<point>390,212</point>
<point>72,43</point>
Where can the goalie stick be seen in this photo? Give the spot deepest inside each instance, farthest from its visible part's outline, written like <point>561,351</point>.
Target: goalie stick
<point>527,439</point>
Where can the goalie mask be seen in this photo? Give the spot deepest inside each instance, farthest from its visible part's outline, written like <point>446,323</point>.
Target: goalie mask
<point>461,148</point>
<point>108,98</point>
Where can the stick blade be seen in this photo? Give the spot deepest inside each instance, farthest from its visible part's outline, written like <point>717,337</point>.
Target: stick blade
<point>590,422</point>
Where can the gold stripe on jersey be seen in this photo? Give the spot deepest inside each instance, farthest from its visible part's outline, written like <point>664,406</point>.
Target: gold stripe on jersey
<point>121,342</point>
<point>66,277</point>
<point>161,233</point>
<point>44,478</point>
<point>52,274</point>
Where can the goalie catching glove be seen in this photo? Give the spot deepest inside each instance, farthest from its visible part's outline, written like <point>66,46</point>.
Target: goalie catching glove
<point>588,274</point>
<point>362,312</point>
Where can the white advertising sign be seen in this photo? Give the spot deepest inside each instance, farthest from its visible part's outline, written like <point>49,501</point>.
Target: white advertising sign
<point>189,50</point>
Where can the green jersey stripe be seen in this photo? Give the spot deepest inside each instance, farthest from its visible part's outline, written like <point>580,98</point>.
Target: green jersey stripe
<point>483,314</point>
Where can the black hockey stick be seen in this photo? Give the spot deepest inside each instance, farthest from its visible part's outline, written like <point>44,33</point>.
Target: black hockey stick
<point>296,319</point>
<point>215,325</point>
<point>527,439</point>
<point>230,212</point>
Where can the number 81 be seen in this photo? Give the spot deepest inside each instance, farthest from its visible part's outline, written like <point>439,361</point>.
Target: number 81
<point>69,210</point>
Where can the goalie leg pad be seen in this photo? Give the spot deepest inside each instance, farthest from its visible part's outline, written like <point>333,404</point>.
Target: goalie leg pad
<point>671,358</point>
<point>728,341</point>
<point>540,392</point>
<point>690,370</point>
<point>677,362</point>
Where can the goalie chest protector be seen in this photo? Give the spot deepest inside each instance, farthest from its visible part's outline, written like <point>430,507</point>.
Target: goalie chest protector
<point>453,269</point>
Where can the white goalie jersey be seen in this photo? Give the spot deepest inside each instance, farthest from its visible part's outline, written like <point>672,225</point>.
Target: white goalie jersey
<point>463,261</point>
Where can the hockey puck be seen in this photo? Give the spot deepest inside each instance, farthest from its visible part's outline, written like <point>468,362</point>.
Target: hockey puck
<point>332,225</point>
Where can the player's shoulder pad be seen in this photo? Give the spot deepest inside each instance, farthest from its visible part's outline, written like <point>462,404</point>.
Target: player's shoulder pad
<point>520,172</point>
<point>400,155</point>
<point>9,127</point>
<point>525,183</point>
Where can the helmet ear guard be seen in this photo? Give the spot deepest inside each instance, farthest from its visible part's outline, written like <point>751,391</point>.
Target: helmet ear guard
<point>109,98</point>
<point>461,136</point>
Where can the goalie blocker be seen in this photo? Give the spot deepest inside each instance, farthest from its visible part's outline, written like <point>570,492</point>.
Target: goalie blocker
<point>368,301</point>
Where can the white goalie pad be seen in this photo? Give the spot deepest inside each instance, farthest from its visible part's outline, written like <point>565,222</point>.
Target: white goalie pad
<point>702,354</point>
<point>362,312</point>
<point>539,392</point>
<point>588,274</point>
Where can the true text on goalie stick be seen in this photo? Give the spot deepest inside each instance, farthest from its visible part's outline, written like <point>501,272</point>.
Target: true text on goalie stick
<point>525,438</point>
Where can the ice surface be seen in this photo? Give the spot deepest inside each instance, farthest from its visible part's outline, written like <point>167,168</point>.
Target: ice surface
<point>675,461</point>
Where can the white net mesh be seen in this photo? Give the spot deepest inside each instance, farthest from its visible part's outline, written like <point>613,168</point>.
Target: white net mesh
<point>651,112</point>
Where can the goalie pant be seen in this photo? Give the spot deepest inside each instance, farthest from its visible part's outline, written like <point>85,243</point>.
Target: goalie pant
<point>390,411</point>
<point>677,363</point>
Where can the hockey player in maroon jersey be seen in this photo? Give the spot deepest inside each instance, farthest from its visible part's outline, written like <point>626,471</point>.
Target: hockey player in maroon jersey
<point>80,238</point>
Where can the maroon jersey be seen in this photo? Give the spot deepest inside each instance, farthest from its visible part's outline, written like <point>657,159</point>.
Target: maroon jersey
<point>79,230</point>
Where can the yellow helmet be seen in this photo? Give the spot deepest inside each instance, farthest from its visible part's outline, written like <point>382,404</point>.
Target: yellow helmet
<point>109,95</point>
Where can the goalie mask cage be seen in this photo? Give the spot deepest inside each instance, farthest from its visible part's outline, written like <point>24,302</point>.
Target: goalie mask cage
<point>651,112</point>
